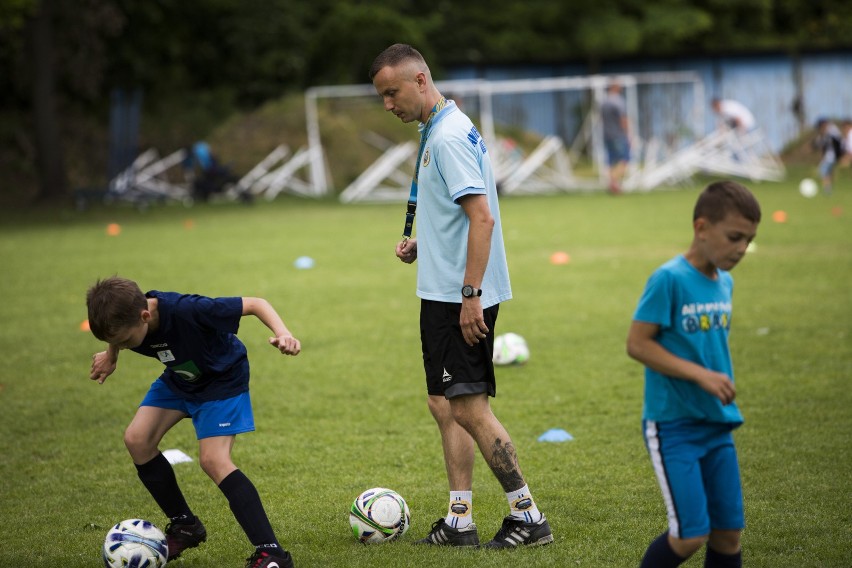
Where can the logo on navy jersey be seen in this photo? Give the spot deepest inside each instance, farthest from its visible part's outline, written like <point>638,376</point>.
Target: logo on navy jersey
<point>188,371</point>
<point>165,356</point>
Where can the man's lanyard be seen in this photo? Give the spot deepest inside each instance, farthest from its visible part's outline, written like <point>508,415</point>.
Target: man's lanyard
<point>412,198</point>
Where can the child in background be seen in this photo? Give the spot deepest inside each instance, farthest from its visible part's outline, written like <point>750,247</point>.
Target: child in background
<point>846,142</point>
<point>830,145</point>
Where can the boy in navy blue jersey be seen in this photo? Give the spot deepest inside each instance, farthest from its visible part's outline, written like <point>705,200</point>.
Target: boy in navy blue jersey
<point>206,378</point>
<point>680,333</point>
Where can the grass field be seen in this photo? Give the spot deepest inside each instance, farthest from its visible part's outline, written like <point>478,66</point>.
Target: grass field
<point>349,412</point>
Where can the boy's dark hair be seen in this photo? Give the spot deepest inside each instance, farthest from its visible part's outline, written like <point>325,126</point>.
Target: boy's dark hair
<point>114,304</point>
<point>723,197</point>
<point>393,56</point>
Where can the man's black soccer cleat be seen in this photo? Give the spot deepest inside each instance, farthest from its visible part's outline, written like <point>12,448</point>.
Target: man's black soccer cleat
<point>516,532</point>
<point>443,534</point>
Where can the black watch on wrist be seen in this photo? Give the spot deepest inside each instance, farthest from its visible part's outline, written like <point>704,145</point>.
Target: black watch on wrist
<point>469,291</point>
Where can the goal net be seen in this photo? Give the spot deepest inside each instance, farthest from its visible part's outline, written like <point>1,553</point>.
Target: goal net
<point>545,134</point>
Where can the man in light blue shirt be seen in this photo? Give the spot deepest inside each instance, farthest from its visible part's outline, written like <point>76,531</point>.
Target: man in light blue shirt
<point>460,167</point>
<point>462,277</point>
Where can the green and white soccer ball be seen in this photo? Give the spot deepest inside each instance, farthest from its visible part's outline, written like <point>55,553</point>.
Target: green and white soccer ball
<point>379,515</point>
<point>137,543</point>
<point>510,349</point>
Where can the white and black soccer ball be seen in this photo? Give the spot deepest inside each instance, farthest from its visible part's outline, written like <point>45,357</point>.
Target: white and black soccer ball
<point>379,515</point>
<point>510,349</point>
<point>135,543</point>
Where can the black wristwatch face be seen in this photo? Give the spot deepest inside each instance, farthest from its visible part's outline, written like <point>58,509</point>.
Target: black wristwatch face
<point>469,291</point>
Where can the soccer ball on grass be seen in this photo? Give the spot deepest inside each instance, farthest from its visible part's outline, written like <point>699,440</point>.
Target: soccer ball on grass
<point>135,542</point>
<point>379,515</point>
<point>808,187</point>
<point>510,349</point>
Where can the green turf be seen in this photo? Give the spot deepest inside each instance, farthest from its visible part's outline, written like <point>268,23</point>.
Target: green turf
<point>349,412</point>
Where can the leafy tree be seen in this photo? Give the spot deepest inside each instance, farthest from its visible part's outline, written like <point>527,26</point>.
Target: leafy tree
<point>46,62</point>
<point>49,155</point>
<point>350,36</point>
<point>14,15</point>
<point>59,56</point>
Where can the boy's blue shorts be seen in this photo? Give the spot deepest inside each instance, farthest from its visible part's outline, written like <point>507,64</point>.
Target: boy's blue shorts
<point>212,418</point>
<point>697,469</point>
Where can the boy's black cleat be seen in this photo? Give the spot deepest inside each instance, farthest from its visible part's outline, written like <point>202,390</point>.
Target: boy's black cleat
<point>443,534</point>
<point>262,559</point>
<point>516,532</point>
<point>180,537</point>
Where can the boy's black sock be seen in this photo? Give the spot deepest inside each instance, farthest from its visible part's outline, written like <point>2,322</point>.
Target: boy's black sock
<point>159,479</point>
<point>715,559</point>
<point>660,554</point>
<point>248,510</point>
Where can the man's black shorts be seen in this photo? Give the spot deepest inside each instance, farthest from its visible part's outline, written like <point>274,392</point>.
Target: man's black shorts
<point>454,368</point>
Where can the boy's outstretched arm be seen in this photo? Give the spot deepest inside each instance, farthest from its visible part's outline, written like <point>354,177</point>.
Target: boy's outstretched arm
<point>283,340</point>
<point>104,364</point>
<point>643,346</point>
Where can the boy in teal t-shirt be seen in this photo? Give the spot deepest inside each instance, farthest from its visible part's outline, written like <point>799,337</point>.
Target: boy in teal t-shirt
<point>680,333</point>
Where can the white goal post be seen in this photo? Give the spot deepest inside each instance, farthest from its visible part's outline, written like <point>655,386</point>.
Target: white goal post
<point>665,110</point>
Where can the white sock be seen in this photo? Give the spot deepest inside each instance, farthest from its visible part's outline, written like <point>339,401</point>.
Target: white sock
<point>460,512</point>
<point>522,505</point>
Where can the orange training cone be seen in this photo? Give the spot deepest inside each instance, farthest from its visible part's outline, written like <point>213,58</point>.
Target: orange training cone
<point>779,216</point>
<point>560,257</point>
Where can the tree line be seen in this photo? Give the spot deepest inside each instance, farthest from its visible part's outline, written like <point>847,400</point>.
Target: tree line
<point>57,55</point>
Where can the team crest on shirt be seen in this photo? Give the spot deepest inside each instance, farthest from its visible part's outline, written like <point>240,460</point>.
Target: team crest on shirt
<point>426,157</point>
<point>188,371</point>
<point>165,356</point>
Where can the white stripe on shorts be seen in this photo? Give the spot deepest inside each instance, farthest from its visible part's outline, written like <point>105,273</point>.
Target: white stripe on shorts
<point>653,440</point>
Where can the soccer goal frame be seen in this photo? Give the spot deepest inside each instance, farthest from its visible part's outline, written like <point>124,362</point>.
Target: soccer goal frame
<point>494,105</point>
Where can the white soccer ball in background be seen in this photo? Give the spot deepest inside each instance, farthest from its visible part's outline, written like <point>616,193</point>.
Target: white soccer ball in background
<point>510,349</point>
<point>379,515</point>
<point>135,542</point>
<point>808,187</point>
